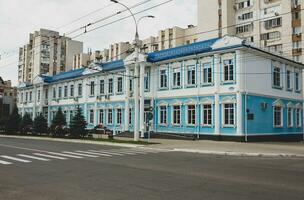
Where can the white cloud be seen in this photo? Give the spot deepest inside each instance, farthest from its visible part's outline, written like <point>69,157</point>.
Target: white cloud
<point>19,18</point>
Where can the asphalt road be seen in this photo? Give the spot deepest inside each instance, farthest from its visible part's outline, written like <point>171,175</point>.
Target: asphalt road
<point>126,174</point>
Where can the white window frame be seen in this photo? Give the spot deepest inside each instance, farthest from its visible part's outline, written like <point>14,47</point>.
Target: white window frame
<point>110,111</point>
<point>275,125</point>
<point>189,121</point>
<point>118,116</point>
<point>289,82</point>
<point>110,86</point>
<point>91,116</point>
<point>290,111</point>
<point>161,120</point>
<point>101,86</point>
<point>229,119</point>
<point>298,117</point>
<point>275,75</point>
<point>101,116</point>
<point>297,81</point>
<point>119,85</point>
<point>191,75</point>
<point>92,88</point>
<point>228,63</point>
<point>176,118</point>
<point>175,72</point>
<point>206,71</point>
<point>163,84</point>
<point>203,115</point>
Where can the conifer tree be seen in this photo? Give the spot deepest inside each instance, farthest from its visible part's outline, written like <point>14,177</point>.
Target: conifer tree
<point>78,125</point>
<point>26,123</point>
<point>13,122</point>
<point>58,124</point>
<point>40,124</point>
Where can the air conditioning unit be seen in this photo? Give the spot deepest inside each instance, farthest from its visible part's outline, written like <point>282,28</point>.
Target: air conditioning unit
<point>277,14</point>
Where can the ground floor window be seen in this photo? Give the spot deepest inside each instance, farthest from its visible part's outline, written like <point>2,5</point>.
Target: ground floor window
<point>229,114</point>
<point>130,116</point>
<point>289,117</point>
<point>110,116</point>
<point>191,118</point>
<point>176,115</point>
<point>298,117</point>
<point>118,116</point>
<point>91,117</point>
<point>101,115</point>
<point>71,115</point>
<point>163,114</point>
<point>207,114</point>
<point>277,116</point>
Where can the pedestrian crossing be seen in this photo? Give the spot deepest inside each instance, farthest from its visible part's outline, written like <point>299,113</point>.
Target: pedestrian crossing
<point>48,156</point>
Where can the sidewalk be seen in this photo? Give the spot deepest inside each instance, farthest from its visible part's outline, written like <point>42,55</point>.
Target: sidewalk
<point>232,148</point>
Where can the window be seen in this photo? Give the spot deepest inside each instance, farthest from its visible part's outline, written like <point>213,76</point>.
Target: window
<point>131,85</point>
<point>176,77</point>
<point>110,89</point>
<point>207,114</point>
<point>79,89</point>
<point>244,4</point>
<point>101,115</point>
<point>163,79</point>
<point>147,81</point>
<point>176,115</point>
<point>289,117</point>
<point>71,115</point>
<point>191,118</point>
<point>119,84</point>
<point>92,88</point>
<point>38,95</point>
<point>130,116</point>
<point>297,81</point>
<point>191,75</point>
<point>273,23</point>
<point>118,116</point>
<point>59,92</point>
<point>72,91</point>
<point>54,93</point>
<point>65,91</point>
<point>46,95</point>
<point>277,116</point>
<point>229,114</point>
<point>228,70</point>
<point>91,117</point>
<point>110,116</point>
<point>207,73</point>
<point>271,35</point>
<point>277,77</point>
<point>163,114</point>
<point>101,87</point>
<point>31,94</point>
<point>244,29</point>
<point>246,16</point>
<point>288,79</point>
<point>298,117</point>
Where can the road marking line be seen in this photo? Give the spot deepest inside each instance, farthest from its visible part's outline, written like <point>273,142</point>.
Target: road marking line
<point>107,152</point>
<point>16,159</point>
<point>64,155</point>
<point>49,156</point>
<point>80,154</point>
<point>98,154</point>
<point>33,157</point>
<point>129,152</point>
<point>4,162</point>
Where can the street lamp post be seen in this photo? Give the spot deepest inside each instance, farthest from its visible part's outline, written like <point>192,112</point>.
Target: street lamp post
<point>139,76</point>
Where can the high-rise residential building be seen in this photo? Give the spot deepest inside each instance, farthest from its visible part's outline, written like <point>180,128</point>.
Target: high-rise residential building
<point>84,59</point>
<point>8,96</point>
<point>275,25</point>
<point>47,52</point>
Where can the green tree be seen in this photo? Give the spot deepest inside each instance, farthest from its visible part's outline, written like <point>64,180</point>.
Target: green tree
<point>40,124</point>
<point>26,123</point>
<point>13,122</point>
<point>58,124</point>
<point>78,125</point>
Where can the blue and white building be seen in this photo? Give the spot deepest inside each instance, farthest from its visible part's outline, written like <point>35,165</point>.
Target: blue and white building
<point>218,88</point>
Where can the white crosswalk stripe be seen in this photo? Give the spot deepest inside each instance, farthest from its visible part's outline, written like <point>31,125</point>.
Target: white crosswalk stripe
<point>80,154</point>
<point>107,152</point>
<point>16,159</point>
<point>5,162</point>
<point>64,155</point>
<point>33,157</point>
<point>50,156</point>
<point>92,153</point>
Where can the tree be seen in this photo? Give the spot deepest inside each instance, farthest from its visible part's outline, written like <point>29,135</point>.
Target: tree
<point>13,122</point>
<point>58,124</point>
<point>78,125</point>
<point>26,123</point>
<point>40,124</point>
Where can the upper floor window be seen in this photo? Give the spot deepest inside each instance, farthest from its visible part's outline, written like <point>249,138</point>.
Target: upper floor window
<point>65,91</point>
<point>207,73</point>
<point>273,23</point>
<point>101,87</point>
<point>176,77</point>
<point>119,84</point>
<point>163,80</point>
<point>277,116</point>
<point>38,95</point>
<point>54,93</point>
<point>276,77</point>
<point>191,75</point>
<point>147,81</point>
<point>288,80</point>
<point>244,4</point>
<point>244,29</point>
<point>92,88</point>
<point>59,92</point>
<point>297,81</point>
<point>228,70</point>
<point>46,94</point>
<point>79,89</point>
<point>71,90</point>
<point>110,88</point>
<point>31,96</point>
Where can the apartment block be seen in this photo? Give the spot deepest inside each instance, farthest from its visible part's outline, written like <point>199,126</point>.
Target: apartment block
<point>84,59</point>
<point>8,95</point>
<point>47,52</point>
<point>275,25</point>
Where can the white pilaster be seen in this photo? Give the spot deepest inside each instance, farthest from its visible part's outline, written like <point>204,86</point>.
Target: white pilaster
<point>136,99</point>
<point>127,99</point>
<point>35,102</point>
<point>142,99</point>
<point>239,87</point>
<point>217,80</point>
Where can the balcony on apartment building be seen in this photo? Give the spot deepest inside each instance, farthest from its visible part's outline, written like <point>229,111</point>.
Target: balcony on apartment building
<point>296,37</point>
<point>297,51</point>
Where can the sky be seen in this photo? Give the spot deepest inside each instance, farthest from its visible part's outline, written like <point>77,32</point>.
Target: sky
<point>19,18</point>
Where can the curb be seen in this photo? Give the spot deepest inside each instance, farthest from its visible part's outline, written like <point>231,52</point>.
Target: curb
<point>73,141</point>
<point>240,154</point>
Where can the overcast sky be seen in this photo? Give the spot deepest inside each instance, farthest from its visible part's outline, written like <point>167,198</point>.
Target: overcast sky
<point>18,18</point>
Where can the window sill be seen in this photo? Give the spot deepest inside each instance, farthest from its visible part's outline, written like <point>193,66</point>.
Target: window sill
<point>191,125</point>
<point>176,87</point>
<point>191,86</point>
<point>277,87</point>
<point>228,83</point>
<point>163,89</point>
<point>176,125</point>
<point>91,96</point>
<point>277,126</point>
<point>289,90</point>
<point>163,125</point>
<point>206,126</point>
<point>207,84</point>
<point>298,91</point>
<point>228,126</point>
<point>119,93</point>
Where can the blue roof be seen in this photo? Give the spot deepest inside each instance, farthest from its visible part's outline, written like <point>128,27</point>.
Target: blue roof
<point>186,50</point>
